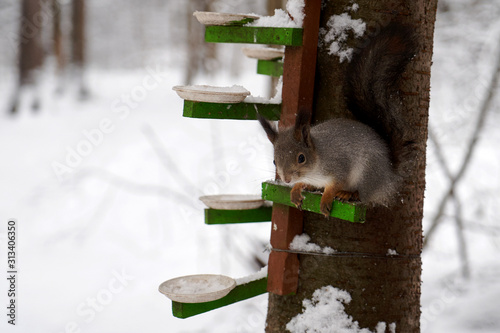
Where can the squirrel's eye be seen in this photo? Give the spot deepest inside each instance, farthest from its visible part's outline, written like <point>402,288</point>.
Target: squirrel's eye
<point>274,162</point>
<point>301,158</point>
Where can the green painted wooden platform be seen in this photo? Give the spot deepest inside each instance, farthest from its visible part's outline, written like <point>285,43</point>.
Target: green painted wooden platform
<point>238,111</point>
<point>270,67</point>
<point>352,212</point>
<point>239,293</point>
<point>219,216</point>
<point>253,35</point>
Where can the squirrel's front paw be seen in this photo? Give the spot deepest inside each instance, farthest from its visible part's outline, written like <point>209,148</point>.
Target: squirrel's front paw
<point>325,207</point>
<point>296,197</point>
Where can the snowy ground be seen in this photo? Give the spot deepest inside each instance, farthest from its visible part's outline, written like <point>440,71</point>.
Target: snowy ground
<point>95,245</point>
<point>123,211</point>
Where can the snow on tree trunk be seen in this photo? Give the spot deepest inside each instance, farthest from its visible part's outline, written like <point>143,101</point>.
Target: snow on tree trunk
<point>382,287</point>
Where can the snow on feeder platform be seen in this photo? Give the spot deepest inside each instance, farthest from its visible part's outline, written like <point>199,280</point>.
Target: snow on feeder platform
<point>213,18</point>
<point>263,53</point>
<point>244,288</point>
<point>212,94</point>
<point>197,288</point>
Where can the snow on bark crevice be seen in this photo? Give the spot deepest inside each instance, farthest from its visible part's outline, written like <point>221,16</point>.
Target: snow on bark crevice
<point>339,28</point>
<point>325,312</point>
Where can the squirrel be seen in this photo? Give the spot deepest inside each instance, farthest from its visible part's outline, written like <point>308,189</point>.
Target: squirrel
<point>353,160</point>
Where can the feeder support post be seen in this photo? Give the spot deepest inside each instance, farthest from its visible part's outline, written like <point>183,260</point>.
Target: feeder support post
<point>297,94</point>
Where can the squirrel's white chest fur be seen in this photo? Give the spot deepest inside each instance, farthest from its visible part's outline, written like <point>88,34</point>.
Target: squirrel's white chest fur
<point>320,178</point>
<point>316,177</point>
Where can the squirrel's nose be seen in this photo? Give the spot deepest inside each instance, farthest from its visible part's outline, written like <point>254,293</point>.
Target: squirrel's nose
<point>288,179</point>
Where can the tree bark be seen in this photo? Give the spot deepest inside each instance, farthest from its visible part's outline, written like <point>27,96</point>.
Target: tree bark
<point>383,288</point>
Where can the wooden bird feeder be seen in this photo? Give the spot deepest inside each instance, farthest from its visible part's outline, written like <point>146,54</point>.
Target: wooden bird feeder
<point>298,70</point>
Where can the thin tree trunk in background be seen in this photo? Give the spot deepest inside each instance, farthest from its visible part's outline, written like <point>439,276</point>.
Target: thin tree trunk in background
<point>271,6</point>
<point>201,56</point>
<point>194,42</point>
<point>210,64</point>
<point>78,44</point>
<point>30,51</point>
<point>57,36</point>
<point>57,46</point>
<point>383,289</point>
<point>484,108</point>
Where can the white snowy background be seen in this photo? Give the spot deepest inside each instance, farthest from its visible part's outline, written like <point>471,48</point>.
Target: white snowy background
<point>93,247</point>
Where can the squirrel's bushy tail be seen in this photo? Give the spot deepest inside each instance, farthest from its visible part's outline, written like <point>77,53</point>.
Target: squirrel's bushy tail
<point>372,86</point>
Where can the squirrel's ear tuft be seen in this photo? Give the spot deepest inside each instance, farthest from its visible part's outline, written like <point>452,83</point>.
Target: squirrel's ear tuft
<point>272,134</point>
<point>302,129</point>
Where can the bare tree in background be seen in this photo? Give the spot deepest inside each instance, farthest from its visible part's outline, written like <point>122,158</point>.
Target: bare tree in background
<point>30,52</point>
<point>200,55</point>
<point>57,37</point>
<point>454,179</point>
<point>271,6</point>
<point>78,44</point>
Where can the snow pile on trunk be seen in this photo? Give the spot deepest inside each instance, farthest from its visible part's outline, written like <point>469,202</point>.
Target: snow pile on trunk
<point>301,243</point>
<point>325,313</point>
<point>337,33</point>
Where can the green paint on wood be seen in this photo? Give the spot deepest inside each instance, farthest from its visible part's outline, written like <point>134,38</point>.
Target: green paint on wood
<point>268,67</point>
<point>219,216</point>
<point>239,293</point>
<point>240,111</point>
<point>346,211</point>
<point>253,35</point>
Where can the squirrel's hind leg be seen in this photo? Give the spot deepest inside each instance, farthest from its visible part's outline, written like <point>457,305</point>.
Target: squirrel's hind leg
<point>332,193</point>
<point>346,196</point>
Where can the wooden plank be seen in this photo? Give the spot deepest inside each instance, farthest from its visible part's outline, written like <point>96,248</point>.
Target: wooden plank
<point>283,268</point>
<point>352,212</point>
<point>219,216</point>
<point>239,293</point>
<point>298,93</point>
<point>270,67</point>
<point>299,68</point>
<point>283,274</point>
<point>286,224</point>
<point>253,35</point>
<point>239,111</point>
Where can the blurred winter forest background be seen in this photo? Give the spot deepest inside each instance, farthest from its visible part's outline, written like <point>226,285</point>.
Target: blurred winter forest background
<point>103,173</point>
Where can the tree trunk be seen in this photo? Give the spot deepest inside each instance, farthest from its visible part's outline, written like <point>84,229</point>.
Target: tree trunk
<point>201,56</point>
<point>78,45</point>
<point>57,46</point>
<point>57,35</point>
<point>30,50</point>
<point>383,288</point>
<point>271,6</point>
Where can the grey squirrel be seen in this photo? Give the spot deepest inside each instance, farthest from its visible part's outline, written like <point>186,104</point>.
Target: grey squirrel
<point>353,160</point>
